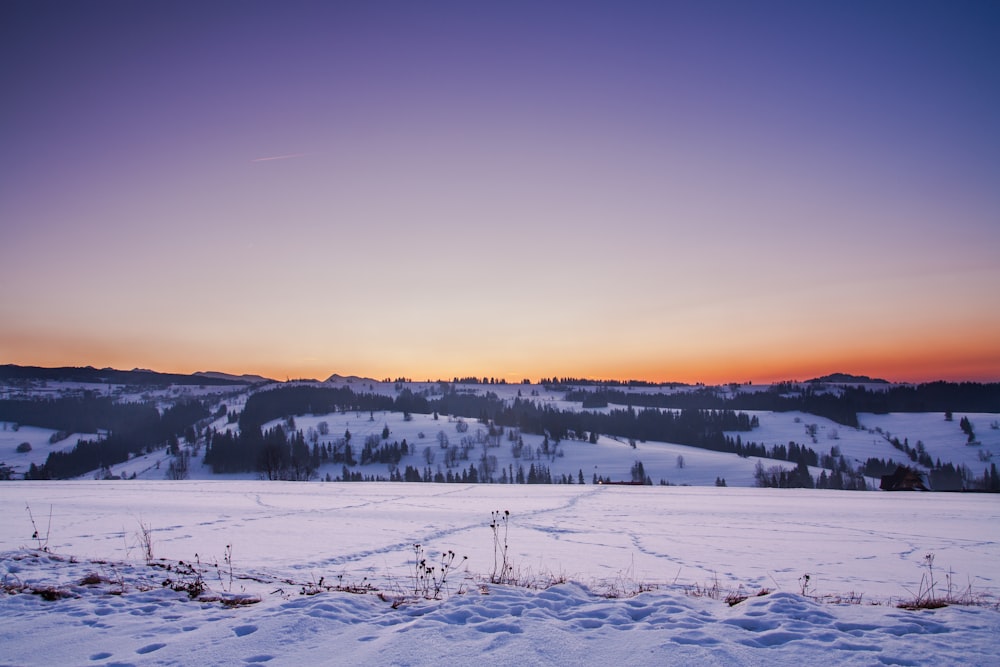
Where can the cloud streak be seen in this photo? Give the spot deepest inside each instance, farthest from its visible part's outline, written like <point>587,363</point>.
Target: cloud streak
<point>278,157</point>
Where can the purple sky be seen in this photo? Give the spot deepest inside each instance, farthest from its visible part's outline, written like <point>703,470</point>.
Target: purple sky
<point>680,191</point>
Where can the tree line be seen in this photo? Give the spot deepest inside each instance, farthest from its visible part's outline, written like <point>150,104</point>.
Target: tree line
<point>125,429</point>
<point>696,427</point>
<point>841,406</point>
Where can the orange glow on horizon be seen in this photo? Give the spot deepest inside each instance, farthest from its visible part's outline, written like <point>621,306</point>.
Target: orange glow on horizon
<point>901,365</point>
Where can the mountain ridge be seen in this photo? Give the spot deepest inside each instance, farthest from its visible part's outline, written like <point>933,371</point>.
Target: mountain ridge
<point>848,378</point>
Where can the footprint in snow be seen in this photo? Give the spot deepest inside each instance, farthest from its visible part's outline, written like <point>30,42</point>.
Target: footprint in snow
<point>149,648</point>
<point>493,627</point>
<point>244,630</point>
<point>694,638</point>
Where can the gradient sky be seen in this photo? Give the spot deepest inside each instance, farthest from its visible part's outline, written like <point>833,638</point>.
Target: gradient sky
<point>676,191</point>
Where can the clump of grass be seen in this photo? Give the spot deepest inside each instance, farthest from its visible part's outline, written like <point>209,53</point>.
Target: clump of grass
<point>315,587</point>
<point>11,585</point>
<point>358,588</point>
<point>626,585</point>
<point>849,598</point>
<point>712,591</point>
<point>430,581</point>
<point>929,597</point>
<point>238,600</point>
<point>733,597</point>
<point>145,536</point>
<point>50,593</point>
<point>926,597</point>
<point>806,589</point>
<point>93,579</point>
<point>188,579</point>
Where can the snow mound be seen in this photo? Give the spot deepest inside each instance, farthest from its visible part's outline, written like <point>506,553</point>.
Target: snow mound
<point>123,614</point>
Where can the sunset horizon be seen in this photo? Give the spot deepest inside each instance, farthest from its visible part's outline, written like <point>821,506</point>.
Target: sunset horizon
<point>675,192</point>
<point>794,373</point>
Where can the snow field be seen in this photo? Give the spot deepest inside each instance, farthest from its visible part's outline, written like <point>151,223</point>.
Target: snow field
<point>670,542</point>
<point>867,543</point>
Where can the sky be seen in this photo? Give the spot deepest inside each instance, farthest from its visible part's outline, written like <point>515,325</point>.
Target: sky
<point>679,191</point>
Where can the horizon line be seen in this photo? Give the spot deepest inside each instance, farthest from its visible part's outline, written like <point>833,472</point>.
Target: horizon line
<point>852,378</point>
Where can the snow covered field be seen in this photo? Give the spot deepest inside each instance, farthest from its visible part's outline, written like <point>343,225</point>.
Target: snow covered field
<point>669,555</point>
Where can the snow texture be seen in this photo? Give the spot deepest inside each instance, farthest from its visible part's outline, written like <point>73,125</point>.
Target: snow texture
<point>620,575</point>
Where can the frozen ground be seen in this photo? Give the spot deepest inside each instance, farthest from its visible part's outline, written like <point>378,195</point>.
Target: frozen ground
<point>685,548</point>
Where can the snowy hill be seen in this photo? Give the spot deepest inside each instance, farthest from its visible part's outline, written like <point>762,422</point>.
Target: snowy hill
<point>447,446</point>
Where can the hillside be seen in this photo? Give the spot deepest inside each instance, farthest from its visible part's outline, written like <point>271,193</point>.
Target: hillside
<point>505,433</point>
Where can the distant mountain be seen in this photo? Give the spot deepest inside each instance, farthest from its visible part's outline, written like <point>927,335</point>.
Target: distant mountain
<point>351,379</point>
<point>847,378</point>
<point>91,375</point>
<point>245,378</point>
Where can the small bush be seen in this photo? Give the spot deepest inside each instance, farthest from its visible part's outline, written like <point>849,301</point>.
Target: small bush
<point>24,448</point>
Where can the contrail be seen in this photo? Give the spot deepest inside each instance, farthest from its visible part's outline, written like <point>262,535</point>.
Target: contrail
<point>278,157</point>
